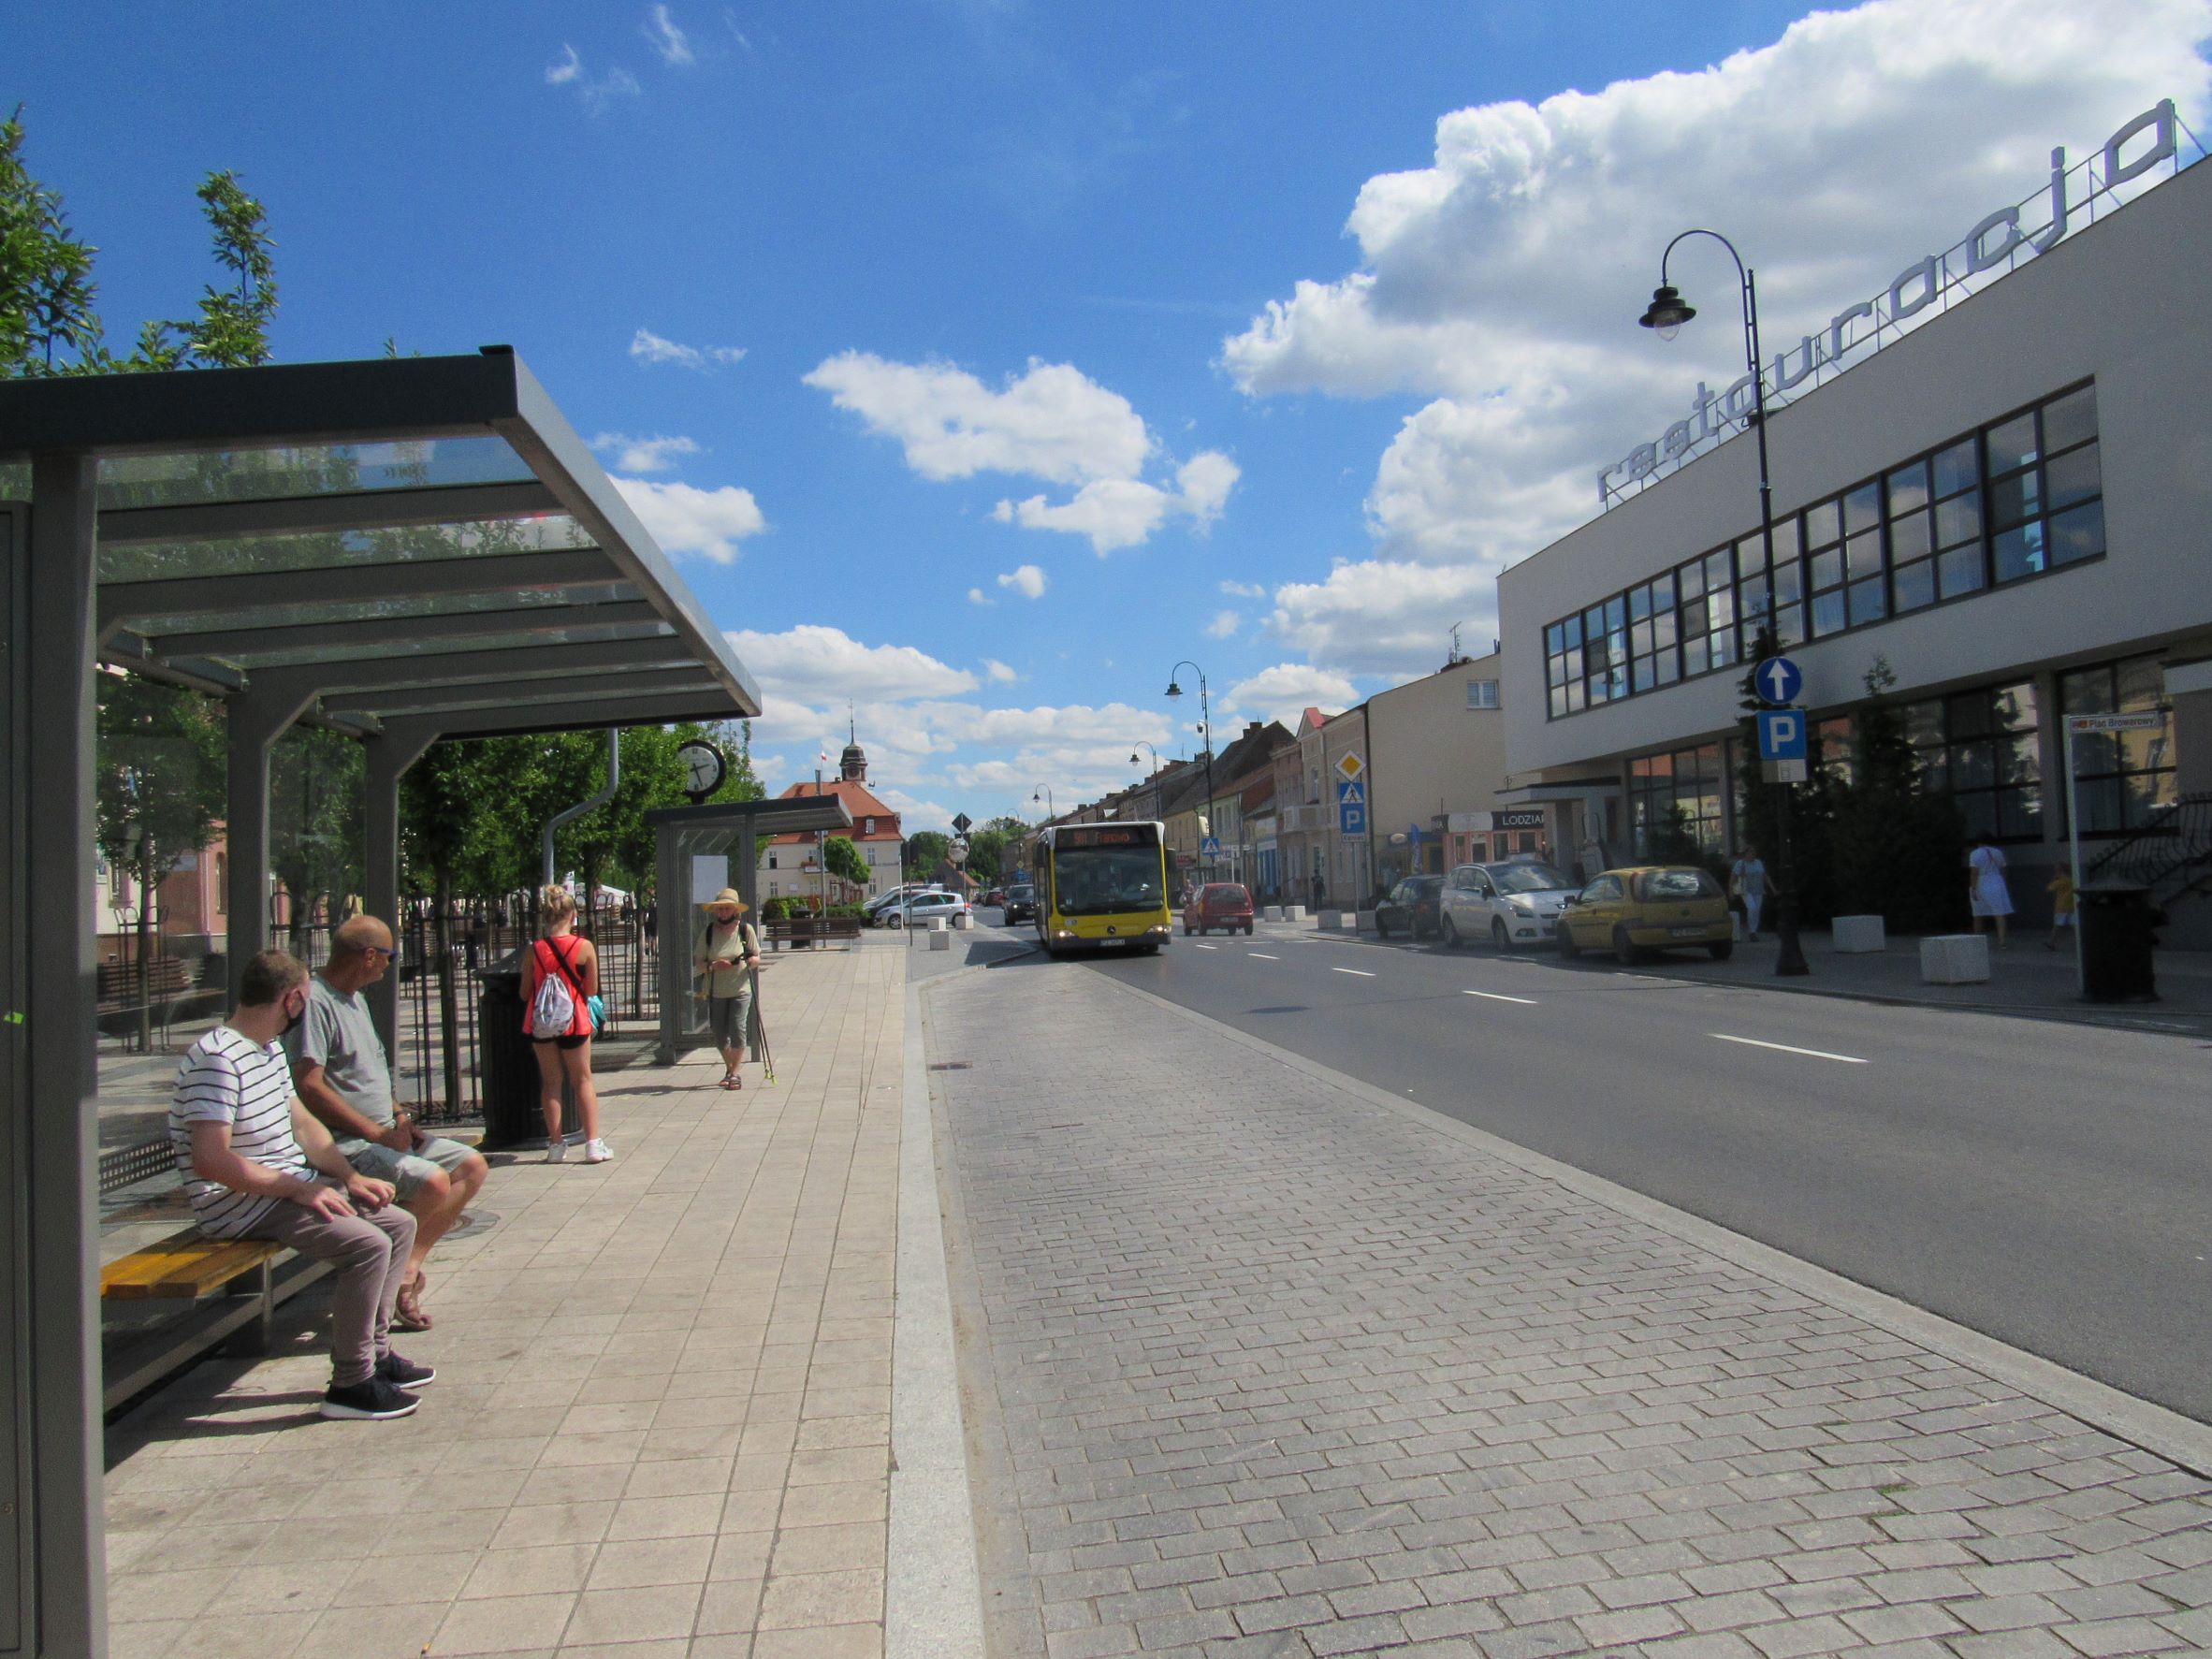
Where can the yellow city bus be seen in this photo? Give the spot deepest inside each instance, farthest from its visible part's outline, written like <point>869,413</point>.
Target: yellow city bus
<point>1102,886</point>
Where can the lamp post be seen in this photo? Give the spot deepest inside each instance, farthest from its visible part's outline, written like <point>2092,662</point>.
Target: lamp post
<point>1154,753</point>
<point>1045,797</point>
<point>1664,316</point>
<point>1206,723</point>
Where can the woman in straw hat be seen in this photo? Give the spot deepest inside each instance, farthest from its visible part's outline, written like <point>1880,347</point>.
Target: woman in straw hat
<point>724,952</point>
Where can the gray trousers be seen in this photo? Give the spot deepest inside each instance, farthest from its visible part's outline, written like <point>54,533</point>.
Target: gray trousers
<point>369,1254</point>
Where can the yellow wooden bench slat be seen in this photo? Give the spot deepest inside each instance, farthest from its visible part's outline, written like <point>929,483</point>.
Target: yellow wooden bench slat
<point>184,1264</point>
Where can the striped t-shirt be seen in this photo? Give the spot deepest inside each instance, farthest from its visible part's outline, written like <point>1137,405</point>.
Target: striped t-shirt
<point>226,1078</point>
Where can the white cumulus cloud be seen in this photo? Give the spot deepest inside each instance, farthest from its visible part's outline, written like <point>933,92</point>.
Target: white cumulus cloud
<point>1223,625</point>
<point>1387,616</point>
<point>976,596</point>
<point>648,348</point>
<point>1244,589</point>
<point>644,454</point>
<point>686,520</point>
<point>1285,692</point>
<point>816,663</point>
<point>1499,280</point>
<point>1025,579</point>
<point>999,672</point>
<point>1124,512</point>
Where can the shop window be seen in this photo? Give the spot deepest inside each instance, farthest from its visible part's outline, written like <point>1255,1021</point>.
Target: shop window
<point>1981,749</point>
<point>1680,789</point>
<point>2122,779</point>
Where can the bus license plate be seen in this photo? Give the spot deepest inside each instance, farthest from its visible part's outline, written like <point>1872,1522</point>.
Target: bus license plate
<point>1111,943</point>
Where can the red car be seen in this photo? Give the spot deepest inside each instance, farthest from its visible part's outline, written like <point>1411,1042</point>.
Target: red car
<point>1218,904</point>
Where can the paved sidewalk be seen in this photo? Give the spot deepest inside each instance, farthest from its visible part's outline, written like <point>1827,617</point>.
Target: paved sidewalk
<point>1265,1363</point>
<point>661,1427</point>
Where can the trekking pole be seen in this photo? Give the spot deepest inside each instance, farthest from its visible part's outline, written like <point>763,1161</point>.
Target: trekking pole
<point>760,1022</point>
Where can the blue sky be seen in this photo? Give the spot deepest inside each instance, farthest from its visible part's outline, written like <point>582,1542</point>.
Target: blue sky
<point>980,360</point>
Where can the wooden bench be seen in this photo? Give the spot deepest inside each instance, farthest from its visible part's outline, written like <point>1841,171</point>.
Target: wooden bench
<point>806,930</point>
<point>188,1267</point>
<point>166,976</point>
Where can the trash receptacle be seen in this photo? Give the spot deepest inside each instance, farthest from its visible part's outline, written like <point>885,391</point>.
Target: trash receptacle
<point>509,1083</point>
<point>2117,937</point>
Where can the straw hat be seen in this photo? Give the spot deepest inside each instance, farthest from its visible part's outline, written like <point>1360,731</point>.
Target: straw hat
<point>728,895</point>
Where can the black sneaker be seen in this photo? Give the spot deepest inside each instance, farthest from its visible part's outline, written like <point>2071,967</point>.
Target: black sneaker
<point>375,1398</point>
<point>403,1373</point>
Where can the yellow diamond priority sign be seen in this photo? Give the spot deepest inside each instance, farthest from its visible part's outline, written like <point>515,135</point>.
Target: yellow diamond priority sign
<point>1352,766</point>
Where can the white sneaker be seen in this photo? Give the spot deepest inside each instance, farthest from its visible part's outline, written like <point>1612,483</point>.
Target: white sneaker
<point>597,1152</point>
<point>556,1150</point>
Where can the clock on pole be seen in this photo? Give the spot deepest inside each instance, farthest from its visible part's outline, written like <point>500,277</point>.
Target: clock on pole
<point>705,768</point>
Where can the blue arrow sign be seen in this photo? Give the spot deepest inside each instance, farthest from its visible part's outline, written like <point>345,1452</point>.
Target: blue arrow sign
<point>1781,734</point>
<point>1778,680</point>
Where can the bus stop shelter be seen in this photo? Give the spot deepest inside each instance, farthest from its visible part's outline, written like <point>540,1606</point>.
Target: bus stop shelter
<point>698,850</point>
<point>402,550</point>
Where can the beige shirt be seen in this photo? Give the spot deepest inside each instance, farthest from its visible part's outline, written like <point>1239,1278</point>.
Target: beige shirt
<point>724,950</point>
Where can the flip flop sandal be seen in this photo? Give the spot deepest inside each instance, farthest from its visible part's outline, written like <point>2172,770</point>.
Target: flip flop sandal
<point>407,1313</point>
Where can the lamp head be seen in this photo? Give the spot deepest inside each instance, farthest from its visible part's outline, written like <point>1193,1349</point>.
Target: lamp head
<point>1173,689</point>
<point>1667,313</point>
<point>1132,757</point>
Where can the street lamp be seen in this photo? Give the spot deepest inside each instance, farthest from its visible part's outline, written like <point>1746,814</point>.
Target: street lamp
<point>1206,725</point>
<point>1044,796</point>
<point>1142,744</point>
<point>1664,316</point>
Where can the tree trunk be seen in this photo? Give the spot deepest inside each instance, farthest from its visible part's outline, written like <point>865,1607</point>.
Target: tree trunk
<point>448,1004</point>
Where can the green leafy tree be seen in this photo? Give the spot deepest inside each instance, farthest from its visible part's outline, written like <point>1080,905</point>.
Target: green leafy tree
<point>1897,849</point>
<point>842,859</point>
<point>925,849</point>
<point>46,288</point>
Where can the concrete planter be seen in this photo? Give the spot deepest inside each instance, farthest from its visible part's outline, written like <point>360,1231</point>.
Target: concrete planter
<point>1292,913</point>
<point>1364,920</point>
<point>1955,959</point>
<point>1857,934</point>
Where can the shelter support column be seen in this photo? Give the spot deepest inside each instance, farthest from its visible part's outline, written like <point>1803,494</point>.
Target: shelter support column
<point>54,1189</point>
<point>258,719</point>
<point>390,754</point>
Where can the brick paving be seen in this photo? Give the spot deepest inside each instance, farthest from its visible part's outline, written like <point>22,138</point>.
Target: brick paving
<point>661,1428</point>
<point>1277,1373</point>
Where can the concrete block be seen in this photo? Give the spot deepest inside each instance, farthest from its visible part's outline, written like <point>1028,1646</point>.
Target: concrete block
<point>960,920</point>
<point>1293,913</point>
<point>1335,921</point>
<point>1364,920</point>
<point>1270,912</point>
<point>1856,934</point>
<point>940,939</point>
<point>1955,959</point>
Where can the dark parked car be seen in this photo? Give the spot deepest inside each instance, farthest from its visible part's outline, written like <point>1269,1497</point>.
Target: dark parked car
<point>1021,904</point>
<point>1218,904</point>
<point>1411,908</point>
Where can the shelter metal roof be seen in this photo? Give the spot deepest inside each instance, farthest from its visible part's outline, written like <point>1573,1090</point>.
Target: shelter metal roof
<point>423,539</point>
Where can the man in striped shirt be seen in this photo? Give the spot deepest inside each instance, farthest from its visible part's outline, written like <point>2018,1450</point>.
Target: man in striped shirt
<point>257,1165</point>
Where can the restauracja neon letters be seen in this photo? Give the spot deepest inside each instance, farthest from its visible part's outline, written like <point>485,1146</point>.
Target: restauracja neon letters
<point>1989,244</point>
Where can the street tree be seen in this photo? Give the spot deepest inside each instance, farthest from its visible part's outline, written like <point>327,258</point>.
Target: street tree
<point>842,859</point>
<point>925,849</point>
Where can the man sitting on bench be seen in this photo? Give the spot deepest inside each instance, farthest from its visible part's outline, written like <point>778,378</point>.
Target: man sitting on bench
<point>339,1069</point>
<point>250,1156</point>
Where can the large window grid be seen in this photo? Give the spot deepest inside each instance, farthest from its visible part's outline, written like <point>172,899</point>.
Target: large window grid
<point>2122,779</point>
<point>1981,748</point>
<point>2016,499</point>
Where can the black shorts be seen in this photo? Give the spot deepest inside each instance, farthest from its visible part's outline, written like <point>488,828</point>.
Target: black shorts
<point>561,1042</point>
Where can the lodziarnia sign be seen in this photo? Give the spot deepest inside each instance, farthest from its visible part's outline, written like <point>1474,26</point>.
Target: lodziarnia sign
<point>1991,246</point>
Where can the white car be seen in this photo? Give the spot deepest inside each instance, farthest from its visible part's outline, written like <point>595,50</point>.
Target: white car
<point>875,907</point>
<point>1510,904</point>
<point>919,909</point>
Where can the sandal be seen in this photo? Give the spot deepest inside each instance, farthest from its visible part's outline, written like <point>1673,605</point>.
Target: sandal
<point>732,1082</point>
<point>407,1313</point>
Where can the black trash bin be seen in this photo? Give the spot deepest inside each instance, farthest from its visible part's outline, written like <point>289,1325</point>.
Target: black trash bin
<point>2116,935</point>
<point>509,1083</point>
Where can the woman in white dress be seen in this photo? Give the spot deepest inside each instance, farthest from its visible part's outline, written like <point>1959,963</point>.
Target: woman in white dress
<point>1987,893</point>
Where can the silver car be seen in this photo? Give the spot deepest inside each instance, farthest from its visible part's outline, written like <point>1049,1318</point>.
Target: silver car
<point>1515,903</point>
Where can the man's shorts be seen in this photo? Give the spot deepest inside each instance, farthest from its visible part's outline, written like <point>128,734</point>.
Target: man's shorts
<point>405,1171</point>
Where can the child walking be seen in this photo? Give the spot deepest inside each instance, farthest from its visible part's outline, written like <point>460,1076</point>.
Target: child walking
<point>2061,888</point>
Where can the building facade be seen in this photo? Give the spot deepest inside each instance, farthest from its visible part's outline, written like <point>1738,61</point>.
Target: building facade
<point>791,865</point>
<point>2006,507</point>
<point>1436,771</point>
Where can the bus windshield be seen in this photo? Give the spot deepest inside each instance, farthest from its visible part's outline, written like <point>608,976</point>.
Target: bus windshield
<point>1101,881</point>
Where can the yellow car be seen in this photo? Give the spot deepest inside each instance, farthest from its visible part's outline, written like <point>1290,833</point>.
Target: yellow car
<point>1645,908</point>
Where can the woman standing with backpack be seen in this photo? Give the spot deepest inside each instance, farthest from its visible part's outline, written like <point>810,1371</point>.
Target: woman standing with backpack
<point>560,987</point>
<point>725,957</point>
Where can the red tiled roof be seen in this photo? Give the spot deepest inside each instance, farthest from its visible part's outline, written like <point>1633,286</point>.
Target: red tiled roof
<point>858,801</point>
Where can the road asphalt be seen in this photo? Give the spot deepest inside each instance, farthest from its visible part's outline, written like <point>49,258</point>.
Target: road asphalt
<point>2045,1184</point>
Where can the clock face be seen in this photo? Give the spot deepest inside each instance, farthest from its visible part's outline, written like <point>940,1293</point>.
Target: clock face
<point>703,767</point>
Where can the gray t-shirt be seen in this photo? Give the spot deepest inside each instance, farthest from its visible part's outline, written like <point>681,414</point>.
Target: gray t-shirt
<point>339,1036</point>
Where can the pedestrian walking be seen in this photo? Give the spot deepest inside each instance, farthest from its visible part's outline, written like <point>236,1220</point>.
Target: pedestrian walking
<point>560,987</point>
<point>725,959</point>
<point>2061,888</point>
<point>1747,885</point>
<point>1987,893</point>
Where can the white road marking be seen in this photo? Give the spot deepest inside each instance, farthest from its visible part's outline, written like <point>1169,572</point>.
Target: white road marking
<point>1360,971</point>
<point>1815,1053</point>
<point>1263,956</point>
<point>1208,947</point>
<point>1500,997</point>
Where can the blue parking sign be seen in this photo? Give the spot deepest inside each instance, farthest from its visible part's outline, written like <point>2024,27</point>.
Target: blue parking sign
<point>1781,735</point>
<point>1351,818</point>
